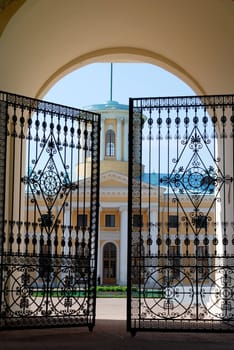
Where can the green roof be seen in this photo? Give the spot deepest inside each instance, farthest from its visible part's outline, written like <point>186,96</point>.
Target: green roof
<point>109,105</point>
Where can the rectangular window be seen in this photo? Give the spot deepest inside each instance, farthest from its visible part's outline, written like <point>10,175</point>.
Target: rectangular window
<point>138,220</point>
<point>201,222</point>
<point>45,261</point>
<point>202,261</point>
<point>110,220</point>
<point>82,220</point>
<point>173,221</point>
<point>174,261</point>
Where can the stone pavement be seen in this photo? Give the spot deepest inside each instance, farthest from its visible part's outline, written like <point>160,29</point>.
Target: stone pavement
<point>109,309</point>
<point>110,334</point>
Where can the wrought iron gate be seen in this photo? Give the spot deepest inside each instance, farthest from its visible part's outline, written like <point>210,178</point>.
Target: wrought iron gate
<point>181,219</point>
<point>49,195</point>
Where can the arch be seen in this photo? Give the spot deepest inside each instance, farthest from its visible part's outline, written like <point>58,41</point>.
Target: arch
<point>142,37</point>
<point>110,143</point>
<point>121,54</point>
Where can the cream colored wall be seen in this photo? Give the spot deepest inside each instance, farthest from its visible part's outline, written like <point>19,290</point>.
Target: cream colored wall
<point>45,40</point>
<point>7,10</point>
<point>118,166</point>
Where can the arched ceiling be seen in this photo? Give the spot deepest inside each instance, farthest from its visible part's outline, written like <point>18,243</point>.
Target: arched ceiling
<point>43,40</point>
<point>7,9</point>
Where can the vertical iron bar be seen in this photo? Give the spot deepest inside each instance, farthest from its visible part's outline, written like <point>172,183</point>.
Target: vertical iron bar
<point>84,227</point>
<point>71,183</point>
<point>78,187</point>
<point>13,134</point>
<point>84,189</point>
<point>223,121</point>
<point>160,216</point>
<point>149,185</point>
<point>215,167</point>
<point>95,175</point>
<point>36,246</point>
<point>232,135</point>
<point>168,198</point>
<point>28,172</point>
<point>141,258</point>
<point>3,141</point>
<point>177,239</point>
<point>21,137</point>
<point>130,189</point>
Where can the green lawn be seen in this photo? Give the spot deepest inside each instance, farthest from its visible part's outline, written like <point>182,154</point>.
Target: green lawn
<point>102,292</point>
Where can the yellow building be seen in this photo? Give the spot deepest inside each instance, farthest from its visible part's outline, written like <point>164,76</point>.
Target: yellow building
<point>112,244</point>
<point>166,231</point>
<point>113,221</point>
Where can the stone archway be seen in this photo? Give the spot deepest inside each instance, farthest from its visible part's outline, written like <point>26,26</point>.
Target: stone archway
<point>36,54</point>
<point>162,33</point>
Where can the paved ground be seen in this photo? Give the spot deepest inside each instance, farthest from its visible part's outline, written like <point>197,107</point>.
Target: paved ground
<point>109,309</point>
<point>110,334</point>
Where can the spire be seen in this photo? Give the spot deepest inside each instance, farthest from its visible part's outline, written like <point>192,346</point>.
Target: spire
<point>111,80</point>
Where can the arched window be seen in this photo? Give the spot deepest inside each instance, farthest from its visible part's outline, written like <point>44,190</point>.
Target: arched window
<point>110,143</point>
<point>109,263</point>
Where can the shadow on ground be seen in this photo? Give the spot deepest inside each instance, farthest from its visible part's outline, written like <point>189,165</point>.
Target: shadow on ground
<point>111,335</point>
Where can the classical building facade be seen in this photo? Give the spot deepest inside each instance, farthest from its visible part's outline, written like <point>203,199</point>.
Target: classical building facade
<point>113,210</point>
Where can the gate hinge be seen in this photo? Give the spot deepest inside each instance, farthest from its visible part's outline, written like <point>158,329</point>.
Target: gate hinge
<point>228,180</point>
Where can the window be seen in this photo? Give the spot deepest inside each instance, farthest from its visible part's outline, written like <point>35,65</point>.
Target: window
<point>138,220</point>
<point>201,222</point>
<point>110,220</point>
<point>45,261</point>
<point>202,261</point>
<point>46,220</point>
<point>109,263</point>
<point>174,261</point>
<point>173,221</point>
<point>110,143</point>
<point>82,220</point>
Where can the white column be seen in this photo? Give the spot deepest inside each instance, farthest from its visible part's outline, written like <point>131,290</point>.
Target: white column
<point>123,247</point>
<point>119,139</point>
<point>102,145</point>
<point>125,139</point>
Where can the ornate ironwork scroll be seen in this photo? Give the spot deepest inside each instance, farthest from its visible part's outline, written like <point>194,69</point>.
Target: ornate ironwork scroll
<point>181,227</point>
<point>49,168</point>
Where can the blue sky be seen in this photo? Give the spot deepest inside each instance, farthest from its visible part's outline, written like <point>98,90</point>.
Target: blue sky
<point>91,84</point>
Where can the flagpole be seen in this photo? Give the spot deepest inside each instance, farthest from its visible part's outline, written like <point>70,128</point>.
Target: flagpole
<point>111,81</point>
